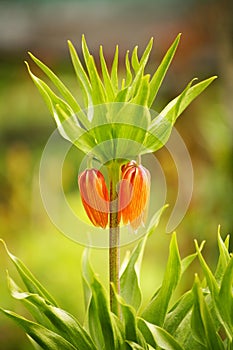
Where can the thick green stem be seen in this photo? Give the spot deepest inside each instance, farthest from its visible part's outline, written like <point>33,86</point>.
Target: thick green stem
<point>114,238</point>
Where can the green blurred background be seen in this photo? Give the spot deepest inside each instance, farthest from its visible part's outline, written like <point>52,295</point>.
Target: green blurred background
<point>43,28</point>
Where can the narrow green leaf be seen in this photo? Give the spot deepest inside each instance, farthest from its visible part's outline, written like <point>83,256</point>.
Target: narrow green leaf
<point>42,91</point>
<point>128,317</point>
<point>134,59</point>
<point>57,82</point>
<point>34,344</point>
<point>17,293</point>
<point>159,336</point>
<point>114,71</point>
<point>195,91</point>
<point>226,298</point>
<point>143,92</point>
<point>156,311</point>
<point>52,100</point>
<point>154,222</point>
<point>160,73</point>
<point>161,127</point>
<point>98,91</point>
<point>44,337</point>
<point>187,98</point>
<point>178,312</point>
<point>122,95</point>
<point>130,288</point>
<point>87,277</point>
<point>224,256</point>
<point>146,53</point>
<point>134,346</point>
<point>81,75</point>
<point>222,309</point>
<point>107,80</point>
<point>94,325</point>
<point>202,322</point>
<point>129,76</point>
<point>185,262</point>
<point>211,281</point>
<point>63,323</point>
<point>104,315</point>
<point>31,283</point>
<point>140,64</point>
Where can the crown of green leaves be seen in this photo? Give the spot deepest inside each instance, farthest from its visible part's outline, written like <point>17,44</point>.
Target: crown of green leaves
<point>115,112</point>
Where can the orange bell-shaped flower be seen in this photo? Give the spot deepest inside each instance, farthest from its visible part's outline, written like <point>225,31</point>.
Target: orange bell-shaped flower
<point>134,194</point>
<point>94,195</point>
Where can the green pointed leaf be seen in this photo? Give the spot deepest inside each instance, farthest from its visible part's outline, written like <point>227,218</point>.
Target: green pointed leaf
<point>60,110</point>
<point>211,281</point>
<point>128,317</point>
<point>134,60</point>
<point>17,293</point>
<point>63,323</point>
<point>94,325</point>
<point>57,82</point>
<point>34,344</point>
<point>139,78</point>
<point>130,289</point>
<point>107,80</point>
<point>129,76</point>
<point>42,90</point>
<point>134,346</point>
<point>114,71</point>
<point>122,95</point>
<point>157,335</point>
<point>143,92</point>
<point>160,73</point>
<point>185,262</point>
<point>161,127</point>
<point>101,316</point>
<point>202,322</point>
<point>31,283</point>
<point>156,311</point>
<point>171,112</point>
<point>98,91</point>
<point>44,337</point>
<point>154,222</point>
<point>87,277</point>
<point>195,91</point>
<point>146,53</point>
<point>224,256</point>
<point>70,130</point>
<point>222,309</point>
<point>178,312</point>
<point>81,75</point>
<point>226,298</point>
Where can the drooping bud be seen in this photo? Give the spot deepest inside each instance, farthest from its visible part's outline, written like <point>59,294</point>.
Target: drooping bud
<point>134,194</point>
<point>94,195</point>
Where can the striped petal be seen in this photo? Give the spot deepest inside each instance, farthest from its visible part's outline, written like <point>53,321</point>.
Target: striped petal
<point>94,195</point>
<point>134,194</point>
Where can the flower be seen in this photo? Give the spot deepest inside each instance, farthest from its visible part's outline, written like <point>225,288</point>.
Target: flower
<point>134,194</point>
<point>94,195</point>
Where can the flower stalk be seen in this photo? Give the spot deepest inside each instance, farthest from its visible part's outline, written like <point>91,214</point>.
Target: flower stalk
<point>114,237</point>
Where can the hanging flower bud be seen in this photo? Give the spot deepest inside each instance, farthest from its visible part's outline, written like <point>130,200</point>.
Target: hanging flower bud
<point>94,194</point>
<point>134,194</point>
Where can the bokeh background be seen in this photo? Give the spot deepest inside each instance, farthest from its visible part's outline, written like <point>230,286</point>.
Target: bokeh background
<point>43,28</point>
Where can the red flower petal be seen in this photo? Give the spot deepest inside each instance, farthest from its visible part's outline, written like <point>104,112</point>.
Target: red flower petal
<point>134,194</point>
<point>94,195</point>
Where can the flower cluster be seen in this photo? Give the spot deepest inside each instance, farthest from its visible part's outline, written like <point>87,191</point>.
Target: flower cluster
<point>133,195</point>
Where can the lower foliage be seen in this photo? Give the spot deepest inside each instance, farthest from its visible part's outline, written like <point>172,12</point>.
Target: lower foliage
<point>200,319</point>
